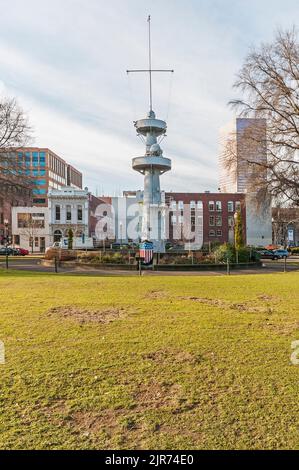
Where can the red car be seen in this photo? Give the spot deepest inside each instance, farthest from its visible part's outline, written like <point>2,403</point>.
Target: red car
<point>22,251</point>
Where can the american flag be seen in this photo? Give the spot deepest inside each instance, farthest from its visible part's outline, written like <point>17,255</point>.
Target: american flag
<point>146,251</point>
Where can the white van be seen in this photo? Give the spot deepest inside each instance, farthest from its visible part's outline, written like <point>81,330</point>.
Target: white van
<point>78,243</point>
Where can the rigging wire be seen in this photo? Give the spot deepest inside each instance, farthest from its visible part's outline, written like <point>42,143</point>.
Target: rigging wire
<point>132,98</point>
<point>169,95</point>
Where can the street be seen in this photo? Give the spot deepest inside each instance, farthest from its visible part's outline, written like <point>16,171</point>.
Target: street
<point>34,264</point>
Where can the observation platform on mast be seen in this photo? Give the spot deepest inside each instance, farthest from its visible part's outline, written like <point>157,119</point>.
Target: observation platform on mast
<point>151,162</point>
<point>150,125</point>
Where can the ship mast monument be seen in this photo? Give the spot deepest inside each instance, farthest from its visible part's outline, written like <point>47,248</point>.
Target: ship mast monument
<point>152,164</point>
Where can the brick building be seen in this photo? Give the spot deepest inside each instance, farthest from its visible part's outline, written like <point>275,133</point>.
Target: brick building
<point>217,213</point>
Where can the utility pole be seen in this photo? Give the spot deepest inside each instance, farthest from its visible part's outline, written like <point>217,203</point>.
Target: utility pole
<point>6,242</point>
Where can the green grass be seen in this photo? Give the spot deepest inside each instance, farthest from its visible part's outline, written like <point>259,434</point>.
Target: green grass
<point>172,372</point>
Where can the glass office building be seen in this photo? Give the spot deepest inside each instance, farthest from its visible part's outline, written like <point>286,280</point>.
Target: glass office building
<point>46,171</point>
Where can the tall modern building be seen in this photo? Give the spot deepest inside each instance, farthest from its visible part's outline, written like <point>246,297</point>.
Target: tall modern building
<point>243,145</point>
<point>47,171</point>
<point>242,141</point>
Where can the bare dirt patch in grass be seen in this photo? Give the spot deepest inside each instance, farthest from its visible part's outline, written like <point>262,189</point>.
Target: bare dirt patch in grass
<point>85,315</point>
<point>90,422</point>
<point>156,294</point>
<point>172,356</point>
<point>155,395</point>
<point>281,328</point>
<point>250,306</point>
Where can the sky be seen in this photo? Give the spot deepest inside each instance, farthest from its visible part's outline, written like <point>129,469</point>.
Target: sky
<point>65,61</point>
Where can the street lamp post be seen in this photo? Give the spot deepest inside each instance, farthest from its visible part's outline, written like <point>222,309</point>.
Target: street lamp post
<point>121,233</point>
<point>6,235</point>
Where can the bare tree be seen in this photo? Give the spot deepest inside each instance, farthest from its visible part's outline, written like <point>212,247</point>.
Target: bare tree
<point>31,229</point>
<point>15,132</point>
<point>269,81</point>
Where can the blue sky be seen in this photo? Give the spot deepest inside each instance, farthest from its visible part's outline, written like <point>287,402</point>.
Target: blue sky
<point>66,61</point>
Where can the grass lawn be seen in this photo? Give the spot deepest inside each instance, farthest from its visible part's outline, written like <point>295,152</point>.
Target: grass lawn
<point>151,362</point>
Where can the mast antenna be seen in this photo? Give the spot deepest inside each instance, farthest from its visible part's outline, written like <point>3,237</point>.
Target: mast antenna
<point>150,70</point>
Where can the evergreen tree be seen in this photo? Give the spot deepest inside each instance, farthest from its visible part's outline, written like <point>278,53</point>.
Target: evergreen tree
<point>239,242</point>
<point>70,239</point>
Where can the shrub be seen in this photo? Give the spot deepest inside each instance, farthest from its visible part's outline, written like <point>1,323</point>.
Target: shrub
<point>115,258</point>
<point>224,252</point>
<point>228,251</point>
<point>63,255</point>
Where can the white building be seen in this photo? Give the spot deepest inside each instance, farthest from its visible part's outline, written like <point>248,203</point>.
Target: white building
<point>30,228</point>
<point>68,208</point>
<point>242,141</point>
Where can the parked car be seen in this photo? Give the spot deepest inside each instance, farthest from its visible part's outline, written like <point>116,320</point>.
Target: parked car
<point>177,248</point>
<point>22,251</point>
<point>8,251</point>
<point>266,254</point>
<point>279,254</point>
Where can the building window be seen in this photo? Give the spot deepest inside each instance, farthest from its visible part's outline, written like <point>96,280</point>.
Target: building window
<point>211,206</point>
<point>218,206</point>
<point>57,212</point>
<point>38,220</point>
<point>68,213</point>
<point>173,205</point>
<point>219,232</point>
<point>23,220</point>
<point>79,213</point>
<point>199,204</point>
<point>36,242</point>
<point>20,159</point>
<point>16,239</point>
<point>38,191</point>
<point>40,182</point>
<point>230,206</point>
<point>181,205</point>
<point>238,205</point>
<point>27,159</point>
<point>212,220</point>
<point>192,204</point>
<point>181,219</point>
<point>173,219</point>
<point>39,201</point>
<point>212,233</point>
<point>34,158</point>
<point>218,220</point>
<point>42,159</point>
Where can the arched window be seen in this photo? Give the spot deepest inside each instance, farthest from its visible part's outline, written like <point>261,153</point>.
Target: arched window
<point>57,235</point>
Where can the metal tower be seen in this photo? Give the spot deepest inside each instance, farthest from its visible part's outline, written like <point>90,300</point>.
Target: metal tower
<point>152,165</point>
